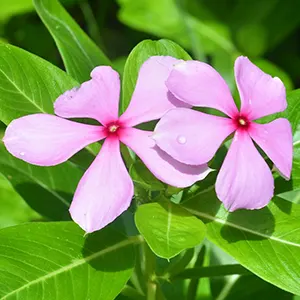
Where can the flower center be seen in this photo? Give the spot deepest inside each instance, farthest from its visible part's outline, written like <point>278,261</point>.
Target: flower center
<point>242,122</point>
<point>113,128</point>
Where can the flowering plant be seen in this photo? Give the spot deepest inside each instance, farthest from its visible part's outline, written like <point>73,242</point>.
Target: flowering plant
<point>135,182</point>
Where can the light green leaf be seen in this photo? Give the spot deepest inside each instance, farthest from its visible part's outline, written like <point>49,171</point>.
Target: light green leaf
<point>55,261</point>
<point>168,229</point>
<point>78,51</point>
<point>265,241</point>
<point>28,84</point>
<point>138,56</point>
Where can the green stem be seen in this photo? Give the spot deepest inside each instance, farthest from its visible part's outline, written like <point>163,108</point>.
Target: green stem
<point>194,283</point>
<point>212,271</point>
<point>227,288</point>
<point>132,293</point>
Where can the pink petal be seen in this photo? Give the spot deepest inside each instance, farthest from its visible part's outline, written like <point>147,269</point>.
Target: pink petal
<point>201,85</point>
<point>151,98</point>
<point>163,166</point>
<point>104,191</point>
<point>276,139</point>
<point>97,98</point>
<point>260,94</point>
<point>47,140</point>
<point>190,136</point>
<point>245,180</point>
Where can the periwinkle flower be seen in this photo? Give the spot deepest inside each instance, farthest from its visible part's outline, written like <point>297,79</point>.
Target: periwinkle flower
<point>192,137</point>
<point>106,188</point>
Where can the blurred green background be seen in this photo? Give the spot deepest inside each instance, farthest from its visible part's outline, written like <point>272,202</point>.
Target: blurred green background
<point>216,31</point>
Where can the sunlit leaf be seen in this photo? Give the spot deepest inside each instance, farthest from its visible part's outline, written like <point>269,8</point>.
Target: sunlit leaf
<point>168,229</point>
<point>56,261</point>
<point>266,241</point>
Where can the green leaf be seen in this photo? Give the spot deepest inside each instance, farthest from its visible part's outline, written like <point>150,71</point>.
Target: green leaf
<point>46,189</point>
<point>165,18</point>
<point>138,56</point>
<point>13,209</point>
<point>168,229</point>
<point>143,177</point>
<point>265,241</point>
<point>28,84</point>
<point>55,261</point>
<point>16,7</point>
<point>78,51</point>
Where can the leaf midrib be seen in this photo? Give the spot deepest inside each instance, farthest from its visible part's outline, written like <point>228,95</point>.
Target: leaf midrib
<point>241,228</point>
<point>22,92</point>
<point>75,264</point>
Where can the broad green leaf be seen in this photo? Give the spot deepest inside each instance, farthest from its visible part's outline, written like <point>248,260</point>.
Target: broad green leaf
<point>166,19</point>
<point>13,209</point>
<point>78,51</point>
<point>265,241</point>
<point>48,190</point>
<point>55,261</point>
<point>168,229</point>
<point>28,84</point>
<point>138,56</point>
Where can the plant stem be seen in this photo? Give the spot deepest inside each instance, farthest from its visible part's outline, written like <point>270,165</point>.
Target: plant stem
<point>213,271</point>
<point>227,288</point>
<point>194,283</point>
<point>132,293</point>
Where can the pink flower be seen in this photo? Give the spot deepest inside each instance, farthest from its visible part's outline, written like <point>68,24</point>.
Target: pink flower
<point>192,137</point>
<point>106,188</point>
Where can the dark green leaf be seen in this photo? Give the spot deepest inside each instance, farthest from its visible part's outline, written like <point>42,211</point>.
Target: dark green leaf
<point>78,51</point>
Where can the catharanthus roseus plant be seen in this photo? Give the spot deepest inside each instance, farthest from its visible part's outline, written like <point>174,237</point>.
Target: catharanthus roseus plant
<point>244,180</point>
<point>106,188</point>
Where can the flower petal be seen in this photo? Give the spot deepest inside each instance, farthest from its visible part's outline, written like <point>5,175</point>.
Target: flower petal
<point>245,180</point>
<point>276,139</point>
<point>47,140</point>
<point>151,98</point>
<point>201,85</point>
<point>163,166</point>
<point>190,136</point>
<point>260,94</point>
<point>104,191</point>
<point>97,98</point>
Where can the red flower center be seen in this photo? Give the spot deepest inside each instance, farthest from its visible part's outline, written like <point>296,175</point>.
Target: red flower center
<point>242,122</point>
<point>113,128</point>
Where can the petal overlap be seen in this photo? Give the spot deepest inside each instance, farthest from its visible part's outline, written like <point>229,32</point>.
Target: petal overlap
<point>163,166</point>
<point>195,138</point>
<point>199,84</point>
<point>151,98</point>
